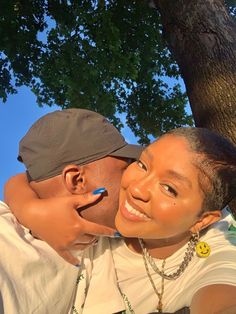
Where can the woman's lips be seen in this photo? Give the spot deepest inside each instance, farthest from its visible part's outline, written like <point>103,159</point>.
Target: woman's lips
<point>130,213</point>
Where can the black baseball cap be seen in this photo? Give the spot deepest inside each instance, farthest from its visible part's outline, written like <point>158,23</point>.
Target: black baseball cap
<point>76,136</point>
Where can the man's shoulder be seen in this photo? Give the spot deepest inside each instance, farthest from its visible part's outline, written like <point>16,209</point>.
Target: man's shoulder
<point>7,220</point>
<point>4,209</point>
<point>3,205</point>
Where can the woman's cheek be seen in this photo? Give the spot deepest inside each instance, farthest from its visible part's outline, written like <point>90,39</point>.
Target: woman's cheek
<point>129,175</point>
<point>164,208</point>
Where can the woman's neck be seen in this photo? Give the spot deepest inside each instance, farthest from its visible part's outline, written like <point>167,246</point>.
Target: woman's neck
<point>159,248</point>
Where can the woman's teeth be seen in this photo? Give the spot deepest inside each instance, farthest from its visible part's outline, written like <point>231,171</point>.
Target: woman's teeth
<point>135,212</point>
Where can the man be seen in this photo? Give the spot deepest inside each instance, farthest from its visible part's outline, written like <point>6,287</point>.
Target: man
<point>70,152</point>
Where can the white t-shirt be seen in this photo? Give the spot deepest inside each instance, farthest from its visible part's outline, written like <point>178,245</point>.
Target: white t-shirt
<point>33,277</point>
<point>138,294</point>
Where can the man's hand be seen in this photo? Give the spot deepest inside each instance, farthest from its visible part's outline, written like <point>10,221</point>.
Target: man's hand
<point>54,220</point>
<point>57,222</point>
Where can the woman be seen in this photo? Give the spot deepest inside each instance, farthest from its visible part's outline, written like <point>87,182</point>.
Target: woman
<point>178,251</point>
<point>167,200</point>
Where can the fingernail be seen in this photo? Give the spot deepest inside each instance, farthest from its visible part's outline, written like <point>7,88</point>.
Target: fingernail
<point>99,191</point>
<point>77,265</point>
<point>117,235</point>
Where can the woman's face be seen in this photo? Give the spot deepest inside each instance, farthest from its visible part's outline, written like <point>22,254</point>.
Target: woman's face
<point>160,195</point>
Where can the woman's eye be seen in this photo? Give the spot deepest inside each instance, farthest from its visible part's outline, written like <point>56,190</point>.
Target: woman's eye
<point>141,165</point>
<point>170,190</point>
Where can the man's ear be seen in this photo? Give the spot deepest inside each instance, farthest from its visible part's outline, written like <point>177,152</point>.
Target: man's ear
<point>206,219</point>
<point>74,179</point>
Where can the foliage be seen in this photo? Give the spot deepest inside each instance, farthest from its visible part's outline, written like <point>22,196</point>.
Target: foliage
<point>107,56</point>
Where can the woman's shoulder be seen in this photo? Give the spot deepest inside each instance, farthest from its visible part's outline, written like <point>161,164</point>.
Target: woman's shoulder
<point>221,233</point>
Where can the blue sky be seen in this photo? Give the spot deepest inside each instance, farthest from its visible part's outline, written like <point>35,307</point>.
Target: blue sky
<point>16,117</point>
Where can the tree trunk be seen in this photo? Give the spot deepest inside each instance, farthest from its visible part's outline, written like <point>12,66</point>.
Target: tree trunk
<point>202,38</point>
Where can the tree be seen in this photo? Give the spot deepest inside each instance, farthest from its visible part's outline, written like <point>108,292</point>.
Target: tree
<point>107,56</point>
<point>110,56</point>
<point>202,37</point>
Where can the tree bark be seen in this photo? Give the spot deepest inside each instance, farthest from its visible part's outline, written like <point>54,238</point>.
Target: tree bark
<point>202,38</point>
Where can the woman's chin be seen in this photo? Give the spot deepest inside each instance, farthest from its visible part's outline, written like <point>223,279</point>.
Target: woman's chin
<point>126,230</point>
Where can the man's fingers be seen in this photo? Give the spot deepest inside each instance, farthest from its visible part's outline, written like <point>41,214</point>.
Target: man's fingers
<point>86,227</point>
<point>98,230</point>
<point>86,199</point>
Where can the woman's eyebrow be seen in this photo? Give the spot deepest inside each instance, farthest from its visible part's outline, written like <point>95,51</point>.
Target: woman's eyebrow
<point>179,177</point>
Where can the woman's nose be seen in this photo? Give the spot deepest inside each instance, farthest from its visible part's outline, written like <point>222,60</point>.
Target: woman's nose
<point>140,190</point>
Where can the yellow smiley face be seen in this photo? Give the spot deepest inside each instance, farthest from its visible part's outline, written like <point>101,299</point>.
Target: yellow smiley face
<point>203,249</point>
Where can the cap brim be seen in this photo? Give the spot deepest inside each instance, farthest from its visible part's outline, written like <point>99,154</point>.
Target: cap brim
<point>128,151</point>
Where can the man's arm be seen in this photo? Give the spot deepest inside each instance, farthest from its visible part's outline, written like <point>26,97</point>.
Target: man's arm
<point>21,199</point>
<point>214,299</point>
<point>54,220</point>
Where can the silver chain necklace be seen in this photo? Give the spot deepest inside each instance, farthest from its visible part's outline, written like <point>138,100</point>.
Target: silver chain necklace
<point>187,258</point>
<point>147,259</point>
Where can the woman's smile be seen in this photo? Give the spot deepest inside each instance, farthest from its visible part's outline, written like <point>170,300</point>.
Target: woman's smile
<point>130,213</point>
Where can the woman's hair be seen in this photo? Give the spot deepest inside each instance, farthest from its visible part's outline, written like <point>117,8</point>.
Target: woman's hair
<point>216,161</point>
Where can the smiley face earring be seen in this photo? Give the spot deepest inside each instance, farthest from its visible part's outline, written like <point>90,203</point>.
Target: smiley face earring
<point>202,248</point>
